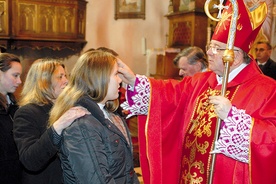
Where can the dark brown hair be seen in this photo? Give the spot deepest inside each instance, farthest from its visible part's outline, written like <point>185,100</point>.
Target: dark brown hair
<point>5,64</point>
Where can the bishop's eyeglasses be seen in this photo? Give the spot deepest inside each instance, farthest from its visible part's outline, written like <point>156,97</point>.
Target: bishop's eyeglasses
<point>215,49</point>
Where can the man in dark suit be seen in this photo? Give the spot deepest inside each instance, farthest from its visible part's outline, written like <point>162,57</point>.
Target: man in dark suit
<point>263,51</point>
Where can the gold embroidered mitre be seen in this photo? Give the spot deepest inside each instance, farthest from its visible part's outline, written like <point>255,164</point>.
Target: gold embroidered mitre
<point>250,20</point>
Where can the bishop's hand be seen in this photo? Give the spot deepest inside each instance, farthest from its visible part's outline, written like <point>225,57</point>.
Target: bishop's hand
<point>222,106</point>
<point>125,73</point>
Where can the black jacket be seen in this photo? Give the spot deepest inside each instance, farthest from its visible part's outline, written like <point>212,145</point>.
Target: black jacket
<point>269,69</point>
<point>94,151</point>
<point>10,168</point>
<point>34,140</point>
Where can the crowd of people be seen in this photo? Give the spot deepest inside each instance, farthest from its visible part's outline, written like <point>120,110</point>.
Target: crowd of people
<point>36,148</point>
<point>71,130</point>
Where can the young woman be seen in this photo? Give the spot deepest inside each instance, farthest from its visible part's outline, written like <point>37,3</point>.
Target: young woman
<point>37,143</point>
<point>96,148</point>
<point>10,71</point>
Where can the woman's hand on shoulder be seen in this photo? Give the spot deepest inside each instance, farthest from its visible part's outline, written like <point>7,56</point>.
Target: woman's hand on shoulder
<point>68,117</point>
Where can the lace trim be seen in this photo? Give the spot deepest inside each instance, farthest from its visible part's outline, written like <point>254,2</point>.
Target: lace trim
<point>234,135</point>
<point>139,97</point>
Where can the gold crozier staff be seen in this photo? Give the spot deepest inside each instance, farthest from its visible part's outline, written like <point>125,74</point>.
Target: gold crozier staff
<point>228,58</point>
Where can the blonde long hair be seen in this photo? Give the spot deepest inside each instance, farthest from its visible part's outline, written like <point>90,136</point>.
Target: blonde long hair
<point>90,76</point>
<point>38,84</point>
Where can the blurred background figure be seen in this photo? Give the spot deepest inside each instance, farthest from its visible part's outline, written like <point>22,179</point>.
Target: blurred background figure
<point>190,61</point>
<point>37,143</point>
<point>10,71</point>
<point>263,52</point>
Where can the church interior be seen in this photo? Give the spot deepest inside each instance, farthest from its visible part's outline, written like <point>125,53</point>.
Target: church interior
<point>146,34</point>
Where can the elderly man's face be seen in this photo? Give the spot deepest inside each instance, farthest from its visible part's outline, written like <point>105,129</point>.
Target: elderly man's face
<point>187,69</point>
<point>215,53</point>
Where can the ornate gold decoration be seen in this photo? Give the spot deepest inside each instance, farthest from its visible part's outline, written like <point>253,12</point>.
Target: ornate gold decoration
<point>199,138</point>
<point>225,17</point>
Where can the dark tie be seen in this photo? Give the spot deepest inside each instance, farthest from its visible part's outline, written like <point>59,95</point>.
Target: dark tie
<point>261,66</point>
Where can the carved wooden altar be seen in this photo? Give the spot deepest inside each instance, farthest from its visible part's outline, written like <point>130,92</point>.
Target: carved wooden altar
<point>38,24</point>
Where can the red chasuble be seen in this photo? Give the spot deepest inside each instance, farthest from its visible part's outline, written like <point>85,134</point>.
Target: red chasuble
<point>179,115</point>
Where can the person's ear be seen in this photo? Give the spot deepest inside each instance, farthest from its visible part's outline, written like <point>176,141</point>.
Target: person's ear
<point>269,52</point>
<point>198,66</point>
<point>238,58</point>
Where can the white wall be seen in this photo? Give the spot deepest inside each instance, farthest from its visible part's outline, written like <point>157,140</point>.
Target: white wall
<point>125,35</point>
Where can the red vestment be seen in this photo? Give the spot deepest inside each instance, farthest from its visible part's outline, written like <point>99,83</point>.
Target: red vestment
<point>171,107</point>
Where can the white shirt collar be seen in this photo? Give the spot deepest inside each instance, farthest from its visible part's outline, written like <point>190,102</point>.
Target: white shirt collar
<point>8,99</point>
<point>232,74</point>
<point>101,106</point>
<point>104,111</point>
<point>261,63</point>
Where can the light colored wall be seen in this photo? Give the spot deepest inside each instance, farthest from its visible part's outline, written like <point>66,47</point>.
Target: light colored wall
<point>125,35</point>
